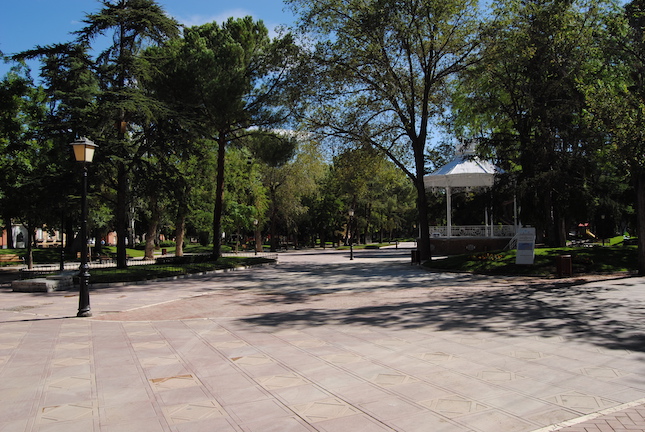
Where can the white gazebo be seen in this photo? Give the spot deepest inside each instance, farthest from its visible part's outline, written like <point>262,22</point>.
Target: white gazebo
<point>466,171</point>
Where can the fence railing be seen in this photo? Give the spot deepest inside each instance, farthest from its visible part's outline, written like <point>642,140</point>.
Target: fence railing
<point>473,231</point>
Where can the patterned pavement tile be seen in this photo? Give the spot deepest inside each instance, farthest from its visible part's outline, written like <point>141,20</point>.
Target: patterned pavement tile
<point>175,382</point>
<point>322,410</point>
<point>252,360</point>
<point>392,379</point>
<point>581,402</point>
<point>67,412</point>
<point>434,357</point>
<point>342,358</point>
<point>191,412</point>
<point>454,406</point>
<point>281,381</point>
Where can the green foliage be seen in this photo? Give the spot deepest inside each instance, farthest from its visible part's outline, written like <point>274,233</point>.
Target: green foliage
<point>527,95</point>
<point>379,75</point>
<point>157,271</point>
<point>585,260</point>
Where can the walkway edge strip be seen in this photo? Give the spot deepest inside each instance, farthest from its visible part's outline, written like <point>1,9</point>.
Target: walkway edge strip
<point>588,417</point>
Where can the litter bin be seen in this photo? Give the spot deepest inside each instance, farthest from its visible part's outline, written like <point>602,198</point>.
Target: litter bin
<point>164,251</point>
<point>416,257</point>
<point>563,264</point>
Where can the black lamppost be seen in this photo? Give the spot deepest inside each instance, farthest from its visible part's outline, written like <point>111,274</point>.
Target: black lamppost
<point>255,234</point>
<point>350,234</point>
<point>84,153</point>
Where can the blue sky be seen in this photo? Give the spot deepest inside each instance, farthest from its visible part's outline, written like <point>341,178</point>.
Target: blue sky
<point>25,24</point>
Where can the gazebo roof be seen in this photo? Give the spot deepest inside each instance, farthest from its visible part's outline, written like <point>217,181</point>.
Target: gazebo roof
<point>464,170</point>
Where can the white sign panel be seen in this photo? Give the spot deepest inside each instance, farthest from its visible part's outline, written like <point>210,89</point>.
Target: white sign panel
<point>525,246</point>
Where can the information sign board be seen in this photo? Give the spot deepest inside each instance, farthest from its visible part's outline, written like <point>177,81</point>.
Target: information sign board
<point>525,246</point>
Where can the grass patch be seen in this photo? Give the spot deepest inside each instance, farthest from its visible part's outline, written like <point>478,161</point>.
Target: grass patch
<point>157,271</point>
<point>367,246</point>
<point>188,249</point>
<point>52,255</point>
<point>41,256</point>
<point>584,260</point>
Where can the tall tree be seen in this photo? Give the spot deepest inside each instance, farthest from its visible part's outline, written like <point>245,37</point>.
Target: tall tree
<point>225,79</point>
<point>133,25</point>
<point>617,98</point>
<point>288,183</point>
<point>14,89</point>
<point>382,70</point>
<point>29,175</point>
<point>526,95</point>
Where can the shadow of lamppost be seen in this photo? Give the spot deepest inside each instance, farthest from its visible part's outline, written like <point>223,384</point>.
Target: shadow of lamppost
<point>84,153</point>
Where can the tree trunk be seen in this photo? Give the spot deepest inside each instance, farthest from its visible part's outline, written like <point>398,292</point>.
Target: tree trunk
<point>273,227</point>
<point>258,238</point>
<point>559,229</point>
<point>640,215</point>
<point>423,242</point>
<point>29,259</point>
<point>98,246</point>
<point>219,197</point>
<point>9,230</point>
<point>121,217</point>
<point>180,232</point>
<point>151,234</point>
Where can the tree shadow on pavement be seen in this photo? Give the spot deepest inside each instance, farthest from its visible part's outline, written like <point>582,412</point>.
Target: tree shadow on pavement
<point>596,313</point>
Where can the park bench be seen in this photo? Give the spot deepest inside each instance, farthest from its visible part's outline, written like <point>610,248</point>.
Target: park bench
<point>7,258</point>
<point>105,259</point>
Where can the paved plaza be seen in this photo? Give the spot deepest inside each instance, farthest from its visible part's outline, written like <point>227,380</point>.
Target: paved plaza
<point>319,342</point>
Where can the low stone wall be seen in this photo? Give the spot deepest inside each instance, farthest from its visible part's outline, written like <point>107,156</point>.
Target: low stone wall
<point>462,245</point>
<point>45,284</point>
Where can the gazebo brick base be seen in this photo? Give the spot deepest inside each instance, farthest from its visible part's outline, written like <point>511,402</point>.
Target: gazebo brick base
<point>463,245</point>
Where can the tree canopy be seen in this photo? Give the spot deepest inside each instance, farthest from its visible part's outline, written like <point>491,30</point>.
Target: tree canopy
<point>382,71</point>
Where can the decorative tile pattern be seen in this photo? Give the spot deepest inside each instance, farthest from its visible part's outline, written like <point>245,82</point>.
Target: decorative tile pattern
<point>61,413</point>
<point>252,360</point>
<point>71,382</point>
<point>387,380</point>
<point>70,361</point>
<point>176,382</point>
<point>497,376</point>
<point>327,409</point>
<point>185,413</point>
<point>343,358</point>
<point>528,354</point>
<point>434,357</point>
<point>495,421</point>
<point>139,346</point>
<point>281,381</point>
<point>229,344</point>
<point>602,372</point>
<point>216,331</point>
<point>454,406</point>
<point>581,402</point>
<point>471,341</point>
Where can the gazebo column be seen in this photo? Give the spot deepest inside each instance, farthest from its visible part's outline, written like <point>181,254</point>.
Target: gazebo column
<point>449,209</point>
